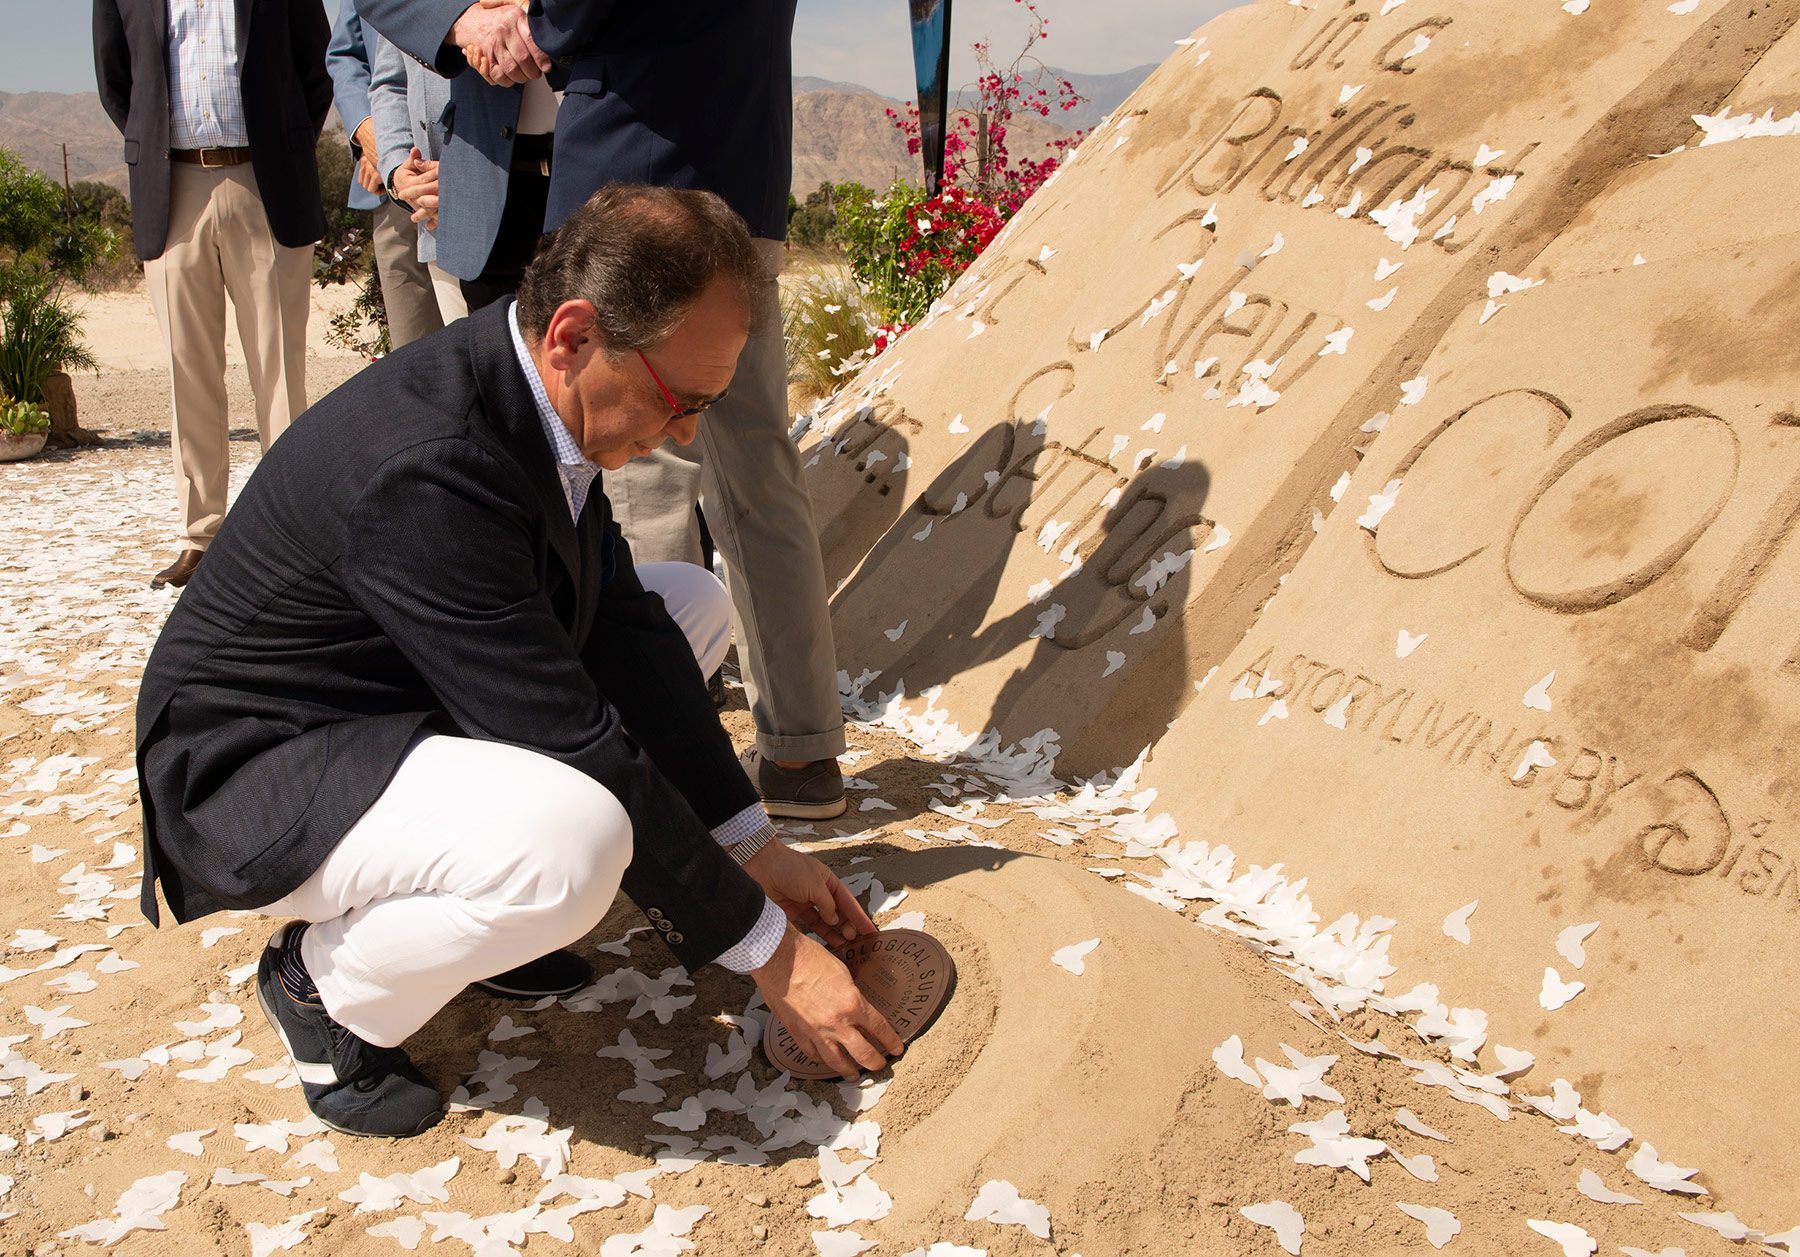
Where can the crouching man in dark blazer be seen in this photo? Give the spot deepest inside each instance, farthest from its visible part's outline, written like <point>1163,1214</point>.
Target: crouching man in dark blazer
<point>420,698</point>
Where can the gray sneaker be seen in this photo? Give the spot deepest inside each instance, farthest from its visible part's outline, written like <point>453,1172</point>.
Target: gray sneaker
<point>812,793</point>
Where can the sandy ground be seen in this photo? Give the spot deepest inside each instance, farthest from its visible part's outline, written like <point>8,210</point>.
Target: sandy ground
<point>143,1099</point>
<point>122,333</point>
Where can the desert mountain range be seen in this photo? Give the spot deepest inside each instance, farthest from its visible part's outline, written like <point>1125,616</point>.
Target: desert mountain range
<point>841,130</point>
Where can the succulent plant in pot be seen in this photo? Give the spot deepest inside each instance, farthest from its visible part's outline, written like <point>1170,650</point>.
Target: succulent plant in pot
<point>24,427</point>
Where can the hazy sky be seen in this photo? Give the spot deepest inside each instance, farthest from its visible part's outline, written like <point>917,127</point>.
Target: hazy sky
<point>49,45</point>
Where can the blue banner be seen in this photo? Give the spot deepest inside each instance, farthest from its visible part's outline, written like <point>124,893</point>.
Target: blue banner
<point>931,65</point>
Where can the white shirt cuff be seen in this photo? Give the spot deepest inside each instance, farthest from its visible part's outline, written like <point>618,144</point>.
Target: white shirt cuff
<point>759,945</point>
<point>746,824</point>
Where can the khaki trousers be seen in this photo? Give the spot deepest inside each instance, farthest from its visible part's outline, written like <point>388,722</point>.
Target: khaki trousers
<point>406,292</point>
<point>748,476</point>
<point>220,243</point>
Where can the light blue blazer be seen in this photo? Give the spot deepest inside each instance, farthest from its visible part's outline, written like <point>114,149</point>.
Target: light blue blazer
<point>347,61</point>
<point>409,104</point>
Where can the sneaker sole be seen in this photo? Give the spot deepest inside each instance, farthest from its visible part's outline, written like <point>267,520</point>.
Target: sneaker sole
<point>296,1062</point>
<point>502,992</point>
<point>806,811</point>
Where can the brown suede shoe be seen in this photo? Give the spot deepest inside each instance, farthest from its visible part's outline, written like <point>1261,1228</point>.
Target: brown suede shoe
<point>812,793</point>
<point>179,572</point>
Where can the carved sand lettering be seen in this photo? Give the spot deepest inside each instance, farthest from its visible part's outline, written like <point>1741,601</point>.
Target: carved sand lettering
<point>1683,846</point>
<point>1701,506</point>
<point>1394,54</point>
<point>1013,271</point>
<point>1401,716</point>
<point>1537,545</point>
<point>1752,563</point>
<point>1554,415</point>
<point>1332,40</point>
<point>872,423</point>
<point>1198,249</point>
<point>1252,117</point>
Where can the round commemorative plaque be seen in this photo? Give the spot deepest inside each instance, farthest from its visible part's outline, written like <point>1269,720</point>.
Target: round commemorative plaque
<point>908,977</point>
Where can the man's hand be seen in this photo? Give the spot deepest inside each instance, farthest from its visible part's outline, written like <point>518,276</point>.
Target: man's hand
<point>416,183</point>
<point>813,994</point>
<point>496,41</point>
<point>366,172</point>
<point>809,893</point>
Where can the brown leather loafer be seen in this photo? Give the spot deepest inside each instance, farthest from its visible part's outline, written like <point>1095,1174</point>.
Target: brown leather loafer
<point>812,793</point>
<point>179,572</point>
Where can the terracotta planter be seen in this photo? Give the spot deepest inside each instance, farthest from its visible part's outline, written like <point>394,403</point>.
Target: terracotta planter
<point>66,431</point>
<point>13,448</point>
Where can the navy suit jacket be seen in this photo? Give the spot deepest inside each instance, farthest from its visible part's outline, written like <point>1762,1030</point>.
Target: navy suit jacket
<point>376,579</point>
<point>286,91</point>
<point>681,93</point>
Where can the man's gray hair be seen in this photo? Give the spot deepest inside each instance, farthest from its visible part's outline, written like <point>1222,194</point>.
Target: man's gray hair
<point>642,255</point>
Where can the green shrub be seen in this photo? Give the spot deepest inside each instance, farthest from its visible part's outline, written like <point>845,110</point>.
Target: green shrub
<point>346,254</point>
<point>22,418</point>
<point>813,225</point>
<point>872,229</point>
<point>362,328</point>
<point>106,211</point>
<point>40,334</point>
<point>39,232</point>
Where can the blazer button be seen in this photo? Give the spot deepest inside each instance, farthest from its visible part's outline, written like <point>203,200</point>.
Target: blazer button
<point>655,914</point>
<point>675,936</point>
<point>665,925</point>
<point>506,133</point>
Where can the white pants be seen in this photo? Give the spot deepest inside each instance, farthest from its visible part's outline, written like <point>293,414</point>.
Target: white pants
<point>451,303</point>
<point>478,857</point>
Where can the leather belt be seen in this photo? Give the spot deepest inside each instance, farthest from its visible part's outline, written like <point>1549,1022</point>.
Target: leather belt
<point>531,154</point>
<point>210,158</point>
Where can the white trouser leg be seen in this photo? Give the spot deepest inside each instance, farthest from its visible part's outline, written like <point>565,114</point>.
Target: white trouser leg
<point>478,857</point>
<point>696,601</point>
<point>451,305</point>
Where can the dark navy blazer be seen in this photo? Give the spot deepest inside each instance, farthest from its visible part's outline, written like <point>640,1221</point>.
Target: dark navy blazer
<point>286,91</point>
<point>680,93</point>
<point>403,559</point>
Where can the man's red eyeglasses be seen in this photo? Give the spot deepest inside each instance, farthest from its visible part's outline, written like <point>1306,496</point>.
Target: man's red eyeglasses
<point>680,411</point>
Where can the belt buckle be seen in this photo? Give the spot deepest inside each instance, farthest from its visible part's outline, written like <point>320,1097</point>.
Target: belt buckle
<point>205,159</point>
<point>544,167</point>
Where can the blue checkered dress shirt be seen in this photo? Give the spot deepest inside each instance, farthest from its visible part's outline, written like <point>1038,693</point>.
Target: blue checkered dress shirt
<point>206,101</point>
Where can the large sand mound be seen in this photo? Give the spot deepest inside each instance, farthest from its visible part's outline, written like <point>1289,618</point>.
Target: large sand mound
<point>1366,321</point>
<point>1290,239</point>
<point>1134,404</point>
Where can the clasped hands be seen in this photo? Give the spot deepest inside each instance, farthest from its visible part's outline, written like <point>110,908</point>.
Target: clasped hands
<point>806,986</point>
<point>415,182</point>
<point>495,38</point>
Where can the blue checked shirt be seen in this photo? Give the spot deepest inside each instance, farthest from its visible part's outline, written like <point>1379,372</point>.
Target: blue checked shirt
<point>577,474</point>
<point>206,101</point>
